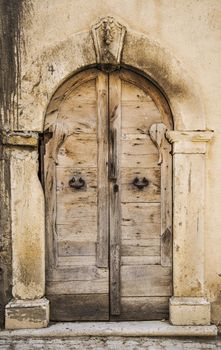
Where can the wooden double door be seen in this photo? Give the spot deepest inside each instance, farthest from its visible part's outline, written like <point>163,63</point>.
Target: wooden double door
<point>107,180</point>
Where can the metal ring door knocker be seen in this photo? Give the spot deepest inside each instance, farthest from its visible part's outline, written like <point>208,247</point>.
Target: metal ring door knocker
<point>77,184</point>
<point>140,183</point>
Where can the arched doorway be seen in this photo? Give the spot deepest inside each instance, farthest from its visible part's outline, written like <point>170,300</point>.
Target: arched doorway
<point>108,188</point>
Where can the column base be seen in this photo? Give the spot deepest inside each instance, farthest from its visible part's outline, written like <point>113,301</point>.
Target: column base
<point>185,311</point>
<point>27,314</point>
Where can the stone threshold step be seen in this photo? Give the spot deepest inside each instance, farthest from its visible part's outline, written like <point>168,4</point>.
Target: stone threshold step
<point>118,329</point>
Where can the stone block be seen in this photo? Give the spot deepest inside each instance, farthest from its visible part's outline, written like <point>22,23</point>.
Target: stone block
<point>27,314</point>
<point>189,311</point>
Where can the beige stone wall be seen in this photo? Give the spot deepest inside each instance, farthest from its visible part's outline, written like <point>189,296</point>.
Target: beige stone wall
<point>187,33</point>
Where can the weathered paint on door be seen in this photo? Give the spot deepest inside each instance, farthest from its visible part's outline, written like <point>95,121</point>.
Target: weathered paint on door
<point>108,199</point>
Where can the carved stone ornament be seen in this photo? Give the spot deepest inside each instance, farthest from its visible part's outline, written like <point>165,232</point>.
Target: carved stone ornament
<point>108,36</point>
<point>157,133</point>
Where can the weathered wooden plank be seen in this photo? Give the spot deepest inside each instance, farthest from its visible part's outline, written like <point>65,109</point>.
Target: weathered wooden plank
<point>140,247</point>
<point>78,273</point>
<point>138,117</point>
<point>137,213</point>
<point>102,161</point>
<point>86,307</point>
<point>140,231</point>
<point>72,261</point>
<point>138,109</point>
<point>77,231</point>
<point>115,189</point>
<point>137,250</point>
<point>68,211</point>
<point>77,287</point>
<point>84,93</point>
<point>143,308</point>
<point>141,161</point>
<point>131,193</point>
<point>81,116</point>
<point>166,206</point>
<point>131,92</point>
<point>149,88</point>
<point>139,145</point>
<point>141,260</point>
<point>152,280</point>
<point>72,248</point>
<point>87,194</point>
<point>69,85</point>
<point>137,241</point>
<point>74,152</point>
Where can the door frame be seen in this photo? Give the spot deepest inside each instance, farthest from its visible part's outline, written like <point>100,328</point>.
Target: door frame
<point>189,143</point>
<point>108,91</point>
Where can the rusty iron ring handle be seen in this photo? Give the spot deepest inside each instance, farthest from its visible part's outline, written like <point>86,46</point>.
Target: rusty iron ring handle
<point>77,184</point>
<point>140,184</point>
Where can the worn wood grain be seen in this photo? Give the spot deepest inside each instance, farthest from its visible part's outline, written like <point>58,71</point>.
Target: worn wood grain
<point>143,308</point>
<point>65,89</point>
<point>77,231</point>
<point>141,260</point>
<point>115,189</point>
<point>70,262</point>
<point>135,213</point>
<point>80,307</point>
<point>152,280</point>
<point>140,231</point>
<point>166,205</point>
<point>72,248</point>
<point>77,287</point>
<point>155,94</point>
<point>68,211</point>
<point>102,160</point>
<point>143,161</point>
<point>140,247</point>
<point>73,152</point>
<point>77,273</point>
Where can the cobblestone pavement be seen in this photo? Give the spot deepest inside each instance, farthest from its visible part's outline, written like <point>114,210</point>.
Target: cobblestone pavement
<point>111,343</point>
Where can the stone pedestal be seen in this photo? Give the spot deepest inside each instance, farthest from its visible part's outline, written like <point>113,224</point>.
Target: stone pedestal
<point>188,305</point>
<point>28,309</point>
<point>189,311</point>
<point>27,314</point>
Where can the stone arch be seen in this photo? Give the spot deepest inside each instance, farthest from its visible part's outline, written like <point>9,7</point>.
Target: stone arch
<point>139,52</point>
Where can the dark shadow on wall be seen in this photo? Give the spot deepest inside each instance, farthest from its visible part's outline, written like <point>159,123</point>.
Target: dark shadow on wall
<point>12,13</point>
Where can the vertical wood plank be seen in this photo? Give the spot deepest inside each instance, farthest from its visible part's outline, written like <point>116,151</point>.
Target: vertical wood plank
<point>166,205</point>
<point>115,190</point>
<point>102,165</point>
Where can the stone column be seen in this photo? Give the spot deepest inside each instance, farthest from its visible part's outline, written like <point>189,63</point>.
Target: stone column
<point>188,305</point>
<point>29,308</point>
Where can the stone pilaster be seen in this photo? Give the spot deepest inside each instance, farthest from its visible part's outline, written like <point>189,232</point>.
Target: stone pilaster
<point>188,306</point>
<point>28,309</point>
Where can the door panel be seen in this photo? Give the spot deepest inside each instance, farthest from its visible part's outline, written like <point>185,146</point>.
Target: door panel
<point>141,277</point>
<point>109,240</point>
<point>77,288</point>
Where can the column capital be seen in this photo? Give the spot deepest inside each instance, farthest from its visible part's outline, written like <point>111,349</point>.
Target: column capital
<point>189,141</point>
<point>19,138</point>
